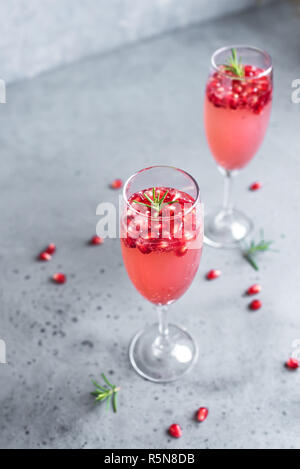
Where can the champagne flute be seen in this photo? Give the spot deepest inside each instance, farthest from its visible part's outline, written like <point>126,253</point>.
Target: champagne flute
<point>161,240</point>
<point>238,106</point>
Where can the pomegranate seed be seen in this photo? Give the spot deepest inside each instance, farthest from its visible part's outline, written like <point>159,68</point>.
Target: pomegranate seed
<point>292,364</point>
<point>59,278</point>
<point>175,430</point>
<point>129,242</point>
<point>45,256</point>
<point>96,240</point>
<point>182,251</point>
<point>213,274</point>
<point>202,414</point>
<point>255,186</point>
<point>144,247</point>
<point>51,249</point>
<point>254,290</point>
<point>255,305</point>
<point>117,184</point>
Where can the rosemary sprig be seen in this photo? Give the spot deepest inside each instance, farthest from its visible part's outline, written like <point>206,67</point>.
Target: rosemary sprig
<point>253,249</point>
<point>235,65</point>
<point>107,393</point>
<point>157,203</point>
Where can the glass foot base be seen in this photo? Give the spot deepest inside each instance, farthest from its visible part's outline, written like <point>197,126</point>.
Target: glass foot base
<point>164,360</point>
<point>226,229</point>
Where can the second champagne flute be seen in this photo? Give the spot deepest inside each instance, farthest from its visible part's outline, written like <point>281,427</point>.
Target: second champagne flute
<point>238,105</point>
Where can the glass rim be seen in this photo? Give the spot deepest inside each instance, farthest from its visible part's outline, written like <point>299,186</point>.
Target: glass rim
<point>128,204</point>
<point>266,72</point>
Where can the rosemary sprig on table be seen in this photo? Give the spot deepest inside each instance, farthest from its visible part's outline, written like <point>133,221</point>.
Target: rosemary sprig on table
<point>253,249</point>
<point>235,65</point>
<point>107,393</point>
<point>157,203</point>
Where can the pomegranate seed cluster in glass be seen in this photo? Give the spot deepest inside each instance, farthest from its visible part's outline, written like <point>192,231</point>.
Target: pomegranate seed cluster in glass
<point>237,113</point>
<point>161,246</point>
<point>227,91</point>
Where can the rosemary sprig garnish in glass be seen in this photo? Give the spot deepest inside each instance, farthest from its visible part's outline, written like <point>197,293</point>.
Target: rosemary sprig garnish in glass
<point>107,393</point>
<point>156,203</point>
<point>235,65</point>
<point>253,249</point>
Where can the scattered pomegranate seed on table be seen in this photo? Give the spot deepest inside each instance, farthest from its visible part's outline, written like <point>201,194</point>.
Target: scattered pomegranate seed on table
<point>117,184</point>
<point>255,186</point>
<point>59,278</point>
<point>292,364</point>
<point>255,305</point>
<point>254,289</point>
<point>213,274</point>
<point>175,430</point>
<point>202,414</point>
<point>96,240</point>
<point>51,249</point>
<point>45,257</point>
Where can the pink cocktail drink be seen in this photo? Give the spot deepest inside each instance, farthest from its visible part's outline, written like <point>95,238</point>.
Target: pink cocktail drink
<point>237,109</point>
<point>161,240</point>
<point>161,248</point>
<point>237,114</point>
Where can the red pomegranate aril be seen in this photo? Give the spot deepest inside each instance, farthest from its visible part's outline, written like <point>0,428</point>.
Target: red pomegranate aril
<point>182,251</point>
<point>254,290</point>
<point>51,249</point>
<point>292,364</point>
<point>251,71</point>
<point>233,100</point>
<point>255,186</point>
<point>129,219</point>
<point>255,305</point>
<point>130,242</point>
<point>59,278</point>
<point>237,88</point>
<point>175,431</point>
<point>117,184</point>
<point>213,274</point>
<point>144,248</point>
<point>45,257</point>
<point>137,199</point>
<point>253,101</point>
<point>264,86</point>
<point>202,414</point>
<point>96,240</point>
<point>258,108</point>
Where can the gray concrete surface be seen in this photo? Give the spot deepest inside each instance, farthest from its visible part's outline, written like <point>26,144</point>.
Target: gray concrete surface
<point>40,35</point>
<point>64,137</point>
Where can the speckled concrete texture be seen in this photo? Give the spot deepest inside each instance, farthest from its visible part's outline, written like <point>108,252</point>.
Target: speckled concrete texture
<point>64,137</point>
<point>39,35</point>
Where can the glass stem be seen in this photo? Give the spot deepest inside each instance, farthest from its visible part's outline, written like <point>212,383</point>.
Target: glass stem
<point>163,325</point>
<point>227,206</point>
